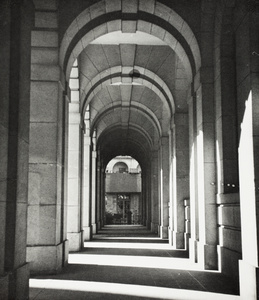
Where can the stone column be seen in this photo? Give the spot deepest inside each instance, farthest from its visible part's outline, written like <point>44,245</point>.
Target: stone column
<point>86,192</point>
<point>171,183</point>
<point>181,177</point>
<point>206,175</point>
<point>164,187</point>
<point>47,247</point>
<point>159,187</point>
<point>227,142</point>
<point>146,208</point>
<point>143,197</point>
<point>93,184</point>
<point>193,178</point>
<point>149,198</point>
<point>74,232</point>
<point>102,198</point>
<point>206,160</point>
<point>98,191</point>
<point>154,193</point>
<point>248,104</point>
<point>16,22</point>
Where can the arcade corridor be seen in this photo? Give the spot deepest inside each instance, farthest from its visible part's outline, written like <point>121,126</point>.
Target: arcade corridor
<point>172,84</point>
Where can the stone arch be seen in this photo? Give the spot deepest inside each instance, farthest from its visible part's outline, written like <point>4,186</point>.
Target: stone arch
<point>146,78</point>
<point>135,128</point>
<point>136,107</point>
<point>150,117</point>
<point>157,85</point>
<point>147,16</point>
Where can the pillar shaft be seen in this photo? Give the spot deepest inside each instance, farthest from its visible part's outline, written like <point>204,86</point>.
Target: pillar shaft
<point>93,183</point>
<point>229,226</point>
<point>147,201</point>
<point>206,161</point>
<point>86,203</point>
<point>193,179</point>
<point>207,210</point>
<point>98,192</point>
<point>47,248</point>
<point>164,177</point>
<point>74,232</point>
<point>154,193</point>
<point>102,198</point>
<point>248,104</point>
<point>16,22</point>
<point>180,157</point>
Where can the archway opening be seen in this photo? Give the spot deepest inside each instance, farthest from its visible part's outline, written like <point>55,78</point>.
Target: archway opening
<point>132,99</point>
<point>123,202</point>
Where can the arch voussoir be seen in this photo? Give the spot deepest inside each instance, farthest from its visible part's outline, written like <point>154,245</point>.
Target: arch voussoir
<point>145,16</point>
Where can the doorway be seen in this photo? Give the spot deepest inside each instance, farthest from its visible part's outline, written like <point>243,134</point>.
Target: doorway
<point>124,209</point>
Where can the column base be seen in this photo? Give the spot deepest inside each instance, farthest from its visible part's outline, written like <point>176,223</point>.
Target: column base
<point>154,227</point>
<point>248,280</point>
<point>186,240</point>
<point>99,226</point>
<point>193,250</point>
<point>148,224</point>
<point>208,256</point>
<point>47,259</point>
<point>15,285</point>
<point>94,228</point>
<point>178,240</point>
<point>87,233</point>
<point>164,232</point>
<point>229,262</point>
<point>75,240</point>
<point>170,236</point>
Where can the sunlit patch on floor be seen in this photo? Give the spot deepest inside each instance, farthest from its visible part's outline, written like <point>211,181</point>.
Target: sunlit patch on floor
<point>124,245</point>
<point>127,289</point>
<point>134,261</point>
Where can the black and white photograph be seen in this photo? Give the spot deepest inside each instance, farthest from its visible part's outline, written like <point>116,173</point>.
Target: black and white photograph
<point>129,149</point>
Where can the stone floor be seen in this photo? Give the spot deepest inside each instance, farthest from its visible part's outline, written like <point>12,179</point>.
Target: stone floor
<point>129,262</point>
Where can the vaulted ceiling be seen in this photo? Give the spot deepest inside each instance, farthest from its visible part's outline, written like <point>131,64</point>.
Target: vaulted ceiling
<point>132,85</point>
